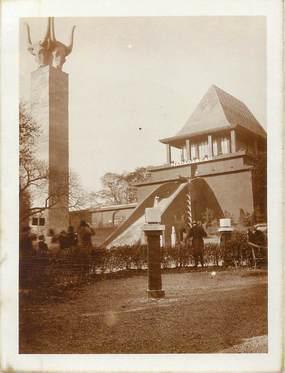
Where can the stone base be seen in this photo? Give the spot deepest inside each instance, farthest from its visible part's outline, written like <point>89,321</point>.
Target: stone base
<point>155,293</point>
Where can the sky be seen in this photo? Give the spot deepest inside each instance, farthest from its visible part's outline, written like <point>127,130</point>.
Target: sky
<point>135,80</point>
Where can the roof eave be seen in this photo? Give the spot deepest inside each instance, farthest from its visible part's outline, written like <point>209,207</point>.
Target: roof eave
<point>262,134</point>
<point>169,140</point>
<point>175,139</point>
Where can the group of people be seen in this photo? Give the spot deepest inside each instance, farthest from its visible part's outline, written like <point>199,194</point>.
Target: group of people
<point>31,244</point>
<point>194,237</point>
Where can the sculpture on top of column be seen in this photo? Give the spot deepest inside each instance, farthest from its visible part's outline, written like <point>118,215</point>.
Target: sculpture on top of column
<point>49,51</point>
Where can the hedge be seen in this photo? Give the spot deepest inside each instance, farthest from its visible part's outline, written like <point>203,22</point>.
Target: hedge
<point>79,265</point>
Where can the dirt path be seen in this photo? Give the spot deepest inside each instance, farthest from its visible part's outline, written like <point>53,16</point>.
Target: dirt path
<point>199,314</point>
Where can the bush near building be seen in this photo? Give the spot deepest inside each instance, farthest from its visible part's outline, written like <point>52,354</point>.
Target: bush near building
<point>73,267</point>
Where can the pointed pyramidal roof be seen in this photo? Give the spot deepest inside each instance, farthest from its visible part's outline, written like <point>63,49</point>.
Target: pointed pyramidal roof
<point>217,110</point>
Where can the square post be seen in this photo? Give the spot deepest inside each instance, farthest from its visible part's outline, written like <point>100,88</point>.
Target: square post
<point>153,230</point>
<point>154,259</point>
<point>210,146</point>
<point>168,153</point>
<point>188,150</point>
<point>233,141</point>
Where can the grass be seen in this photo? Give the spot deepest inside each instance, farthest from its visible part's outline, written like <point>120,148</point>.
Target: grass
<point>199,314</point>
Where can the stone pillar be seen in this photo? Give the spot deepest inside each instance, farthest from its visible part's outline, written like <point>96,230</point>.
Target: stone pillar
<point>188,150</point>
<point>49,100</point>
<point>168,153</point>
<point>233,141</point>
<point>210,146</point>
<point>154,263</point>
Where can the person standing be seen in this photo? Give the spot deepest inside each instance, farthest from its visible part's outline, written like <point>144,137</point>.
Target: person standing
<point>72,238</point>
<point>26,245</point>
<point>42,246</point>
<point>26,252</point>
<point>197,233</point>
<point>84,235</point>
<point>63,241</point>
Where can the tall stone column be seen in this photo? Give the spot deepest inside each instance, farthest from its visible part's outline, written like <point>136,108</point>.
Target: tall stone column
<point>49,104</point>
<point>49,101</point>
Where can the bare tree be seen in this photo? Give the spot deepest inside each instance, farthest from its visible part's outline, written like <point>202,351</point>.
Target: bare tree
<point>118,188</point>
<point>35,174</point>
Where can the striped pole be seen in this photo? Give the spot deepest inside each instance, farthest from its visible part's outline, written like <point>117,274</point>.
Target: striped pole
<point>189,209</point>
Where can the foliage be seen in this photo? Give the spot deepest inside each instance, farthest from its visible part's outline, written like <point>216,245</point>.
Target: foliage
<point>34,175</point>
<point>29,131</point>
<point>237,252</point>
<point>77,265</point>
<point>118,188</point>
<point>24,207</point>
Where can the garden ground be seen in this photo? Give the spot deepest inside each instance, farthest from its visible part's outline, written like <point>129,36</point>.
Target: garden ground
<point>200,314</point>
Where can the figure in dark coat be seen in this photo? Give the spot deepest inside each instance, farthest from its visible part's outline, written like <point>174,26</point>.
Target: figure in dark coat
<point>42,246</point>
<point>84,234</point>
<point>257,237</point>
<point>26,244</point>
<point>197,233</point>
<point>72,237</point>
<point>63,241</point>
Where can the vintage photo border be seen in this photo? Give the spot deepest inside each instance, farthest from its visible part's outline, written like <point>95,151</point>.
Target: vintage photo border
<point>11,12</point>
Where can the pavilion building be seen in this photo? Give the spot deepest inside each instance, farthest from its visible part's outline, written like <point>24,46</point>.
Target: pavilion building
<point>217,147</point>
<point>217,144</point>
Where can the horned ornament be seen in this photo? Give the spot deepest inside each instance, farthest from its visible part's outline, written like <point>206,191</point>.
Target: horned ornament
<point>49,51</point>
<point>41,49</point>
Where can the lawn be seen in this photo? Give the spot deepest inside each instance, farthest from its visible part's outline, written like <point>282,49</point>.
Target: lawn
<point>200,314</point>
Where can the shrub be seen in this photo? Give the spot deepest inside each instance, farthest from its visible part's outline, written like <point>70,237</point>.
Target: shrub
<point>237,251</point>
<point>78,265</point>
<point>139,256</point>
<point>212,254</point>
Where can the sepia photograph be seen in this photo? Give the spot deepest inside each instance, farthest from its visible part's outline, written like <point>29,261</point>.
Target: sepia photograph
<point>143,191</point>
<point>148,214</point>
